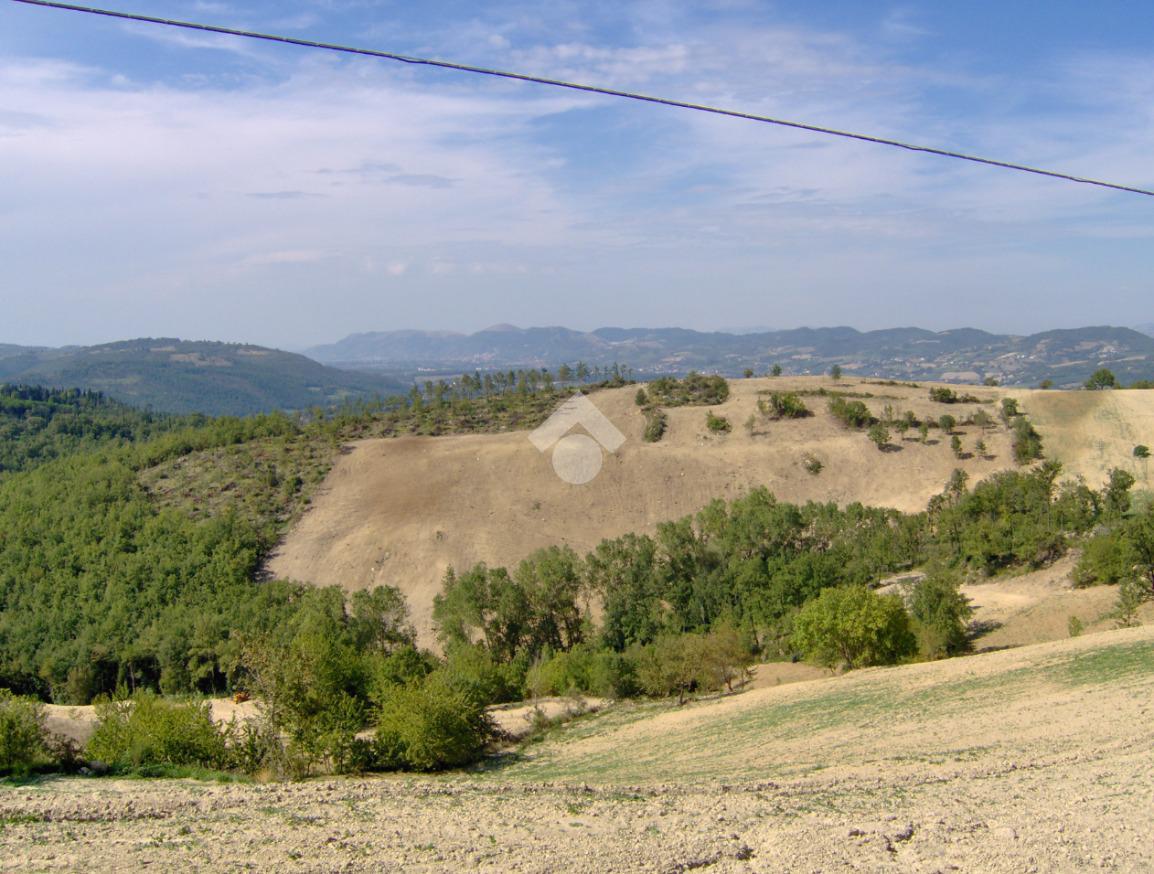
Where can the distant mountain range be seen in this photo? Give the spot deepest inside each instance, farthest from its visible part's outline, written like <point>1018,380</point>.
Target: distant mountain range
<point>1067,357</point>
<point>179,376</point>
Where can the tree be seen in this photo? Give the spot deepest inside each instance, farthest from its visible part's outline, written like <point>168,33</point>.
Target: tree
<point>853,626</point>
<point>947,423</point>
<point>981,449</point>
<point>1046,384</point>
<point>21,734</point>
<point>1116,494</point>
<point>1102,378</point>
<point>941,614</point>
<point>431,726</point>
<point>835,372</point>
<point>1141,451</point>
<point>924,431</point>
<point>956,446</point>
<point>748,372</point>
<point>564,373</point>
<point>879,434</point>
<point>775,370</point>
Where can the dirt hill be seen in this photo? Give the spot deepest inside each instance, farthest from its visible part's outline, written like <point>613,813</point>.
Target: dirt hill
<point>401,511</point>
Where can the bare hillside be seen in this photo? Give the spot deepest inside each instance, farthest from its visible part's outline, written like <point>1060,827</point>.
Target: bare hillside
<point>400,511</point>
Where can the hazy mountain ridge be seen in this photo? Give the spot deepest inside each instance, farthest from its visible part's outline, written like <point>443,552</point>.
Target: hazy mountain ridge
<point>1065,356</point>
<point>181,376</point>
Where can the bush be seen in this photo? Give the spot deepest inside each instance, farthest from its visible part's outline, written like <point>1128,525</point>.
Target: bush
<point>145,730</point>
<point>879,434</point>
<point>641,398</point>
<point>694,389</point>
<point>655,424</point>
<point>22,737</point>
<point>1141,451</point>
<point>852,414</point>
<point>717,424</point>
<point>473,669</point>
<point>945,395</point>
<point>583,670</point>
<point>431,726</point>
<point>853,626</point>
<point>1027,443</point>
<point>784,405</point>
<point>672,665</point>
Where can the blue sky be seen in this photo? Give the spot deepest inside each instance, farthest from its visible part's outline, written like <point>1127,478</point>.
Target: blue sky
<point>159,182</point>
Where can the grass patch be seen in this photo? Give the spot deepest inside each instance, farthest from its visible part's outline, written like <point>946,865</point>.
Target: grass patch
<point>730,745</point>
<point>1110,664</point>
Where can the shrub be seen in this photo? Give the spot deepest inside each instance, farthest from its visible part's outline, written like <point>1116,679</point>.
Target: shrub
<point>694,389</point>
<point>671,665</point>
<point>586,670</point>
<point>655,425</point>
<point>1074,626</point>
<point>22,737</point>
<point>473,669</point>
<point>717,424</point>
<point>945,395</point>
<point>879,434</point>
<point>852,414</point>
<point>853,626</point>
<point>431,726</point>
<point>1027,443</point>
<point>146,730</point>
<point>812,464</point>
<point>641,398</point>
<point>1141,451</point>
<point>784,405</point>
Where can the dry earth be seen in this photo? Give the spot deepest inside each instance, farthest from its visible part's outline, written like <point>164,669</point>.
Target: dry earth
<point>401,511</point>
<point>1033,759</point>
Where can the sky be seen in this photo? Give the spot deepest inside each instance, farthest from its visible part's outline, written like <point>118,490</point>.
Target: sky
<point>157,182</point>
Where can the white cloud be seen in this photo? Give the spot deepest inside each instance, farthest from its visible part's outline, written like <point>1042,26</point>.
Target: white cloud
<point>309,184</point>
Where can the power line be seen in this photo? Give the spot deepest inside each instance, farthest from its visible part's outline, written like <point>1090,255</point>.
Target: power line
<point>591,89</point>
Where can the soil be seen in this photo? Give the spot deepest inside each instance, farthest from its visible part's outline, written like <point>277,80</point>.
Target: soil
<point>401,511</point>
<point>999,762</point>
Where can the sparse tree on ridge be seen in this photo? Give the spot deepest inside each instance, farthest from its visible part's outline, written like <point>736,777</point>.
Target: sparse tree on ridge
<point>1102,378</point>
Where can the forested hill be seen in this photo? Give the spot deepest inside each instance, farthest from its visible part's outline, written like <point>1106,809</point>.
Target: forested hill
<point>178,376</point>
<point>966,355</point>
<point>39,424</point>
